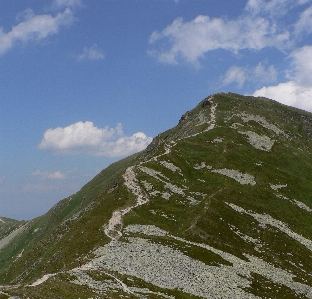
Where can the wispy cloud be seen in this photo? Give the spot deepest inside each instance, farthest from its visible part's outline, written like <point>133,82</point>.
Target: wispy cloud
<point>235,74</point>
<point>262,24</point>
<point>33,28</point>
<point>279,24</point>
<point>58,181</point>
<point>67,3</point>
<point>258,74</point>
<point>304,24</point>
<point>190,41</point>
<point>85,138</point>
<point>56,175</point>
<point>272,8</point>
<point>91,53</point>
<point>262,74</point>
<point>296,92</point>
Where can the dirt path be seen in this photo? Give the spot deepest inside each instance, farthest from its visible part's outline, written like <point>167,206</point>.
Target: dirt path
<point>212,121</point>
<point>43,279</point>
<point>114,226</point>
<point>212,117</point>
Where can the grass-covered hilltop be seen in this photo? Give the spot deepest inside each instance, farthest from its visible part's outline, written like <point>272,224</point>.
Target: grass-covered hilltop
<point>219,206</point>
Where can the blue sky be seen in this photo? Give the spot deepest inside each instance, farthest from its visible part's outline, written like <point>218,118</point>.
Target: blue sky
<point>85,83</point>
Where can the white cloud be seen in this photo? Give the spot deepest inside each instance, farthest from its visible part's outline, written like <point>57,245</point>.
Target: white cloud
<point>298,91</point>
<point>85,138</point>
<point>272,8</point>
<point>304,24</point>
<point>258,74</point>
<point>262,74</point>
<point>268,7</point>
<point>190,41</point>
<point>91,53</point>
<point>235,74</point>
<point>263,23</point>
<point>302,65</point>
<point>288,93</point>
<point>25,15</point>
<point>77,135</point>
<point>33,28</point>
<point>56,175</point>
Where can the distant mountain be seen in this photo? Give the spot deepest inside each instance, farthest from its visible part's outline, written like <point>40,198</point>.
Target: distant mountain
<point>219,206</point>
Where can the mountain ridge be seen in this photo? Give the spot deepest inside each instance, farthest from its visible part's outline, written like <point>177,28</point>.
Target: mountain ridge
<point>186,197</point>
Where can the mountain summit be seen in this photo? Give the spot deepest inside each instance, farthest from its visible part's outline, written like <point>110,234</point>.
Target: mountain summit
<point>217,207</point>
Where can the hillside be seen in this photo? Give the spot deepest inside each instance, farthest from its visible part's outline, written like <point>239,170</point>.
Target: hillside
<point>217,207</point>
<point>7,226</point>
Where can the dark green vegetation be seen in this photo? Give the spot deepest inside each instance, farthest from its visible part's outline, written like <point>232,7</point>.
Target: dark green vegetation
<point>230,185</point>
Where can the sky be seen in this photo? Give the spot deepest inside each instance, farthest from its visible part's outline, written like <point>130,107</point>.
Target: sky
<point>86,83</point>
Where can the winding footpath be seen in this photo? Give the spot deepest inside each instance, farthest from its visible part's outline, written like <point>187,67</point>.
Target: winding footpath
<point>114,226</point>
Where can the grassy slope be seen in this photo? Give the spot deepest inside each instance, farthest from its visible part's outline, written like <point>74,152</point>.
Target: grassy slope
<point>7,225</point>
<point>288,163</point>
<point>58,247</point>
<point>55,240</point>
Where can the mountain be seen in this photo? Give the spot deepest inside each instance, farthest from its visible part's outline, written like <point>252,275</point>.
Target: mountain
<point>217,207</point>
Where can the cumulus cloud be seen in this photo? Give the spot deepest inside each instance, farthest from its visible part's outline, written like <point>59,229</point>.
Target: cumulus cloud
<point>85,138</point>
<point>190,41</point>
<point>91,53</point>
<point>288,93</point>
<point>302,65</point>
<point>298,91</point>
<point>34,28</point>
<point>240,75</point>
